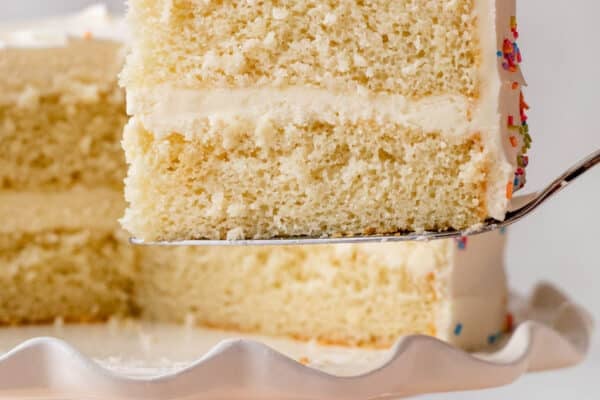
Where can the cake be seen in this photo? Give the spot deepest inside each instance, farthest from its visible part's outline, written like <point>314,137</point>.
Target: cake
<point>351,295</point>
<point>63,254</point>
<point>261,119</point>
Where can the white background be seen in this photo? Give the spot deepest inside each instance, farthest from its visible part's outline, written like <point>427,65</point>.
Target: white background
<point>560,41</point>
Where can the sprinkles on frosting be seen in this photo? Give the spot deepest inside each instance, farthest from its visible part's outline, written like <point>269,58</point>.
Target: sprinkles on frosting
<point>462,242</point>
<point>511,58</point>
<point>458,329</point>
<point>494,338</point>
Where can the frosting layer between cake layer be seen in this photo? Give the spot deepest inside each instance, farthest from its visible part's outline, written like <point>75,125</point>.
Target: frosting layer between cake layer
<point>80,208</point>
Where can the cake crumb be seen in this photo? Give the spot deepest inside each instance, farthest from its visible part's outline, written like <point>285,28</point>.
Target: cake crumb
<point>304,360</point>
<point>235,234</point>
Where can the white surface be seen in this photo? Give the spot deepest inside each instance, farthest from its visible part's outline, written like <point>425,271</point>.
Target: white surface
<point>128,360</point>
<point>561,242</point>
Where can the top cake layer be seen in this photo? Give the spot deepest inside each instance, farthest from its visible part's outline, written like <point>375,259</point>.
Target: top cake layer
<point>61,55</point>
<point>61,110</point>
<point>94,21</point>
<point>414,48</point>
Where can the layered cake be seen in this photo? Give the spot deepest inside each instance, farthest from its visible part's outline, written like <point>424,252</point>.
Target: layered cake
<point>62,254</point>
<point>61,115</point>
<point>262,119</point>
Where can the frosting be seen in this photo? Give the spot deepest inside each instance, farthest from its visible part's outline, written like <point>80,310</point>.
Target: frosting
<point>78,208</point>
<point>163,107</point>
<point>477,285</point>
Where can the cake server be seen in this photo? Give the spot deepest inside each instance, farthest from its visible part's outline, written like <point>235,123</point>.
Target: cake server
<point>520,207</point>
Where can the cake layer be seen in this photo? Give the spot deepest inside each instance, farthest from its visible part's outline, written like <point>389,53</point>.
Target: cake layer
<point>72,55</point>
<point>347,294</point>
<point>77,275</point>
<point>79,208</point>
<point>58,141</point>
<point>246,179</point>
<point>412,48</point>
<point>61,111</point>
<point>69,69</point>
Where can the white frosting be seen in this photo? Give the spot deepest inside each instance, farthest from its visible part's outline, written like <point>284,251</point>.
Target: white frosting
<point>78,208</point>
<point>94,21</point>
<point>162,107</point>
<point>477,287</point>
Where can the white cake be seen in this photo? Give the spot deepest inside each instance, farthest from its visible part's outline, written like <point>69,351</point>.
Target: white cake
<point>62,254</point>
<point>366,295</point>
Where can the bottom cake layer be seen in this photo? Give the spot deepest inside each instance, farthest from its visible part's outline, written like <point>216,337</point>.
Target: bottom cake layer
<point>354,295</point>
<point>357,295</point>
<point>241,178</point>
<point>79,275</point>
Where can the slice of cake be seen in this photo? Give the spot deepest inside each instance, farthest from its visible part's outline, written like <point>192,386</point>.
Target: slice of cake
<point>258,119</point>
<point>62,254</point>
<point>358,295</point>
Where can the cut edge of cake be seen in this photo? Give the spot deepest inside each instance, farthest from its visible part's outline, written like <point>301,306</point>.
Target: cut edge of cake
<point>213,157</point>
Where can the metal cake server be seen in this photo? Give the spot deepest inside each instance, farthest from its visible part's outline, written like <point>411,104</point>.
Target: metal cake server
<point>520,207</point>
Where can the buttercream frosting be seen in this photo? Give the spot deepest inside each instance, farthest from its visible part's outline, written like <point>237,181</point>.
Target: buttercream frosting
<point>78,208</point>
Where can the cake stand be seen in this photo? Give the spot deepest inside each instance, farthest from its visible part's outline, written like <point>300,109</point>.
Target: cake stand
<point>132,360</point>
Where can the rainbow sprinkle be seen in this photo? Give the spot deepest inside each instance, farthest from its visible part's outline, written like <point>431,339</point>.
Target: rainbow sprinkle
<point>462,243</point>
<point>509,190</point>
<point>520,179</point>
<point>522,160</point>
<point>493,338</point>
<point>458,329</point>
<point>509,323</point>
<point>511,58</point>
<point>513,27</point>
<point>511,54</point>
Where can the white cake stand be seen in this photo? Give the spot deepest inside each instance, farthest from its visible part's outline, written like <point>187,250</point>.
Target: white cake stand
<point>127,360</point>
